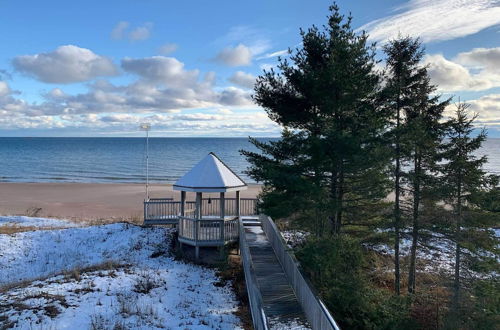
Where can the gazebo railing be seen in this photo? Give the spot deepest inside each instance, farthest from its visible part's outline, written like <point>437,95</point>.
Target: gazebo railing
<point>161,210</point>
<point>208,232</point>
<point>164,210</point>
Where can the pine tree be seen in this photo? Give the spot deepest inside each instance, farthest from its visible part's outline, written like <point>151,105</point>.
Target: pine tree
<point>404,73</point>
<point>329,161</point>
<point>466,188</point>
<point>424,136</point>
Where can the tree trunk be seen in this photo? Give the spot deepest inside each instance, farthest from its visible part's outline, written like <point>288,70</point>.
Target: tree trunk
<point>397,209</point>
<point>415,230</point>
<point>337,196</point>
<point>456,280</point>
<point>333,199</point>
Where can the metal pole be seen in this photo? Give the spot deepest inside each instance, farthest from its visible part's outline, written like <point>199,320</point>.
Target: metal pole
<point>146,127</point>
<point>147,164</point>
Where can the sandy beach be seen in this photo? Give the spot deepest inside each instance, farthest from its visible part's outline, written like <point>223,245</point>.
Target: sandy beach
<point>89,201</point>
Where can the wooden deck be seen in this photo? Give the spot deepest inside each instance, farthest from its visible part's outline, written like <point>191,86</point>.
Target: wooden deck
<point>280,304</point>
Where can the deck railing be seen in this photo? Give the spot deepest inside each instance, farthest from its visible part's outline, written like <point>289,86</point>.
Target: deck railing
<point>318,315</point>
<point>208,232</point>
<point>254,297</point>
<point>167,211</point>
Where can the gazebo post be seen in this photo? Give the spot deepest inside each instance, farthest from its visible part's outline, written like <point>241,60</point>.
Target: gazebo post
<point>183,203</point>
<point>198,217</point>
<point>238,204</point>
<point>183,211</point>
<point>223,223</point>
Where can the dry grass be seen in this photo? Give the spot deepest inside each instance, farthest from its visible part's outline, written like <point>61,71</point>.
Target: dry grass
<point>13,229</point>
<point>74,274</point>
<point>33,211</point>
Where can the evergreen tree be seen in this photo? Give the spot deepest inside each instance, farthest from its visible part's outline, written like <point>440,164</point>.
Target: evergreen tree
<point>467,189</point>
<point>423,138</point>
<point>414,135</point>
<point>404,74</point>
<point>329,162</point>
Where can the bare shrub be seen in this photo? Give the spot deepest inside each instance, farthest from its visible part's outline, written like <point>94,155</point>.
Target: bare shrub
<point>127,303</point>
<point>119,325</point>
<point>147,282</point>
<point>33,211</point>
<point>97,322</point>
<point>74,273</point>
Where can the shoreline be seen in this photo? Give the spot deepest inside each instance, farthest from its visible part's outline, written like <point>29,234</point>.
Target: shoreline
<point>87,201</point>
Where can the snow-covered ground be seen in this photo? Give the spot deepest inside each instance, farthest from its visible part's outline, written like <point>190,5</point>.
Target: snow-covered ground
<point>437,251</point>
<point>133,282</point>
<point>41,223</point>
<point>294,238</point>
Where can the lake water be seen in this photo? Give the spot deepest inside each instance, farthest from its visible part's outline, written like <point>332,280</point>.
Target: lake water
<point>123,159</point>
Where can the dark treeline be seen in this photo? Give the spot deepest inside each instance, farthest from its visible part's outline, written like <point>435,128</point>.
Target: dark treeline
<point>354,133</point>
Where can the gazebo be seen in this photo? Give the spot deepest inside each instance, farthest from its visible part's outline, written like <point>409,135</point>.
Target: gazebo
<point>207,224</point>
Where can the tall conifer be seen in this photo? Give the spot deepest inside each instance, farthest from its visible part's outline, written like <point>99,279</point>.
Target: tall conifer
<point>326,98</point>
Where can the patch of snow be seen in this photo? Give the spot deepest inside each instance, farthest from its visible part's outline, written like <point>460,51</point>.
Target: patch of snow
<point>438,252</point>
<point>290,325</point>
<point>34,254</point>
<point>294,238</point>
<point>22,221</point>
<point>182,296</point>
<point>150,291</point>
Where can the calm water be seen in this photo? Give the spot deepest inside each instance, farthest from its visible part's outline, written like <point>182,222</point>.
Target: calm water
<point>123,159</point>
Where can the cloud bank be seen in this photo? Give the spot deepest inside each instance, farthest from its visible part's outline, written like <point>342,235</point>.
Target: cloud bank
<point>66,64</point>
<point>436,20</point>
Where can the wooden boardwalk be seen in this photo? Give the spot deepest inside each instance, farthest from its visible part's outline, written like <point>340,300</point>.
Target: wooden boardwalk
<point>280,304</point>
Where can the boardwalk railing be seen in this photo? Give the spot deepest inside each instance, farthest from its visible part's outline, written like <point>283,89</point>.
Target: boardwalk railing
<point>254,297</point>
<point>167,211</point>
<point>318,315</point>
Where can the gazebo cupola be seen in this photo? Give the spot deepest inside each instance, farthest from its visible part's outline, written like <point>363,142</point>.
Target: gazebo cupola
<point>199,226</point>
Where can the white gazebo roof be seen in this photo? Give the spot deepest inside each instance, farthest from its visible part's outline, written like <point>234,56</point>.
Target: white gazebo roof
<point>210,175</point>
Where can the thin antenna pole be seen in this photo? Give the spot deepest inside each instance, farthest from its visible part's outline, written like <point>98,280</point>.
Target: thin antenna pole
<point>146,127</point>
<point>147,164</point>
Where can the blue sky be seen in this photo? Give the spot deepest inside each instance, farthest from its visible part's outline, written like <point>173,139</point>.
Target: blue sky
<point>100,68</point>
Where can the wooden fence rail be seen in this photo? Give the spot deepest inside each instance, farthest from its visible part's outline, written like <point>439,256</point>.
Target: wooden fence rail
<point>165,210</point>
<point>317,314</point>
<point>208,232</point>
<point>254,297</point>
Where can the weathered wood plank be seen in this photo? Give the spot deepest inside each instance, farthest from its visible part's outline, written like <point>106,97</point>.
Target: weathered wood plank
<point>279,300</point>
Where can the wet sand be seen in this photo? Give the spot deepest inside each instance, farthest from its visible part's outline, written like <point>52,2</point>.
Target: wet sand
<point>88,201</point>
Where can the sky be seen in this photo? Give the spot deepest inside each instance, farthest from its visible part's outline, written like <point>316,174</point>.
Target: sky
<point>100,68</point>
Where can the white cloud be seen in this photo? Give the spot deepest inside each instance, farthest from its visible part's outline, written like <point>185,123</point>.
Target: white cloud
<point>478,69</point>
<point>436,20</point>
<point>160,69</point>
<point>481,58</point>
<point>243,79</point>
<point>56,94</point>
<point>118,31</point>
<point>141,32</point>
<point>197,117</point>
<point>273,54</point>
<point>66,64</point>
<point>488,109</point>
<point>240,55</point>
<point>4,89</point>
<point>451,76</point>
<point>234,96</point>
<point>168,48</point>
